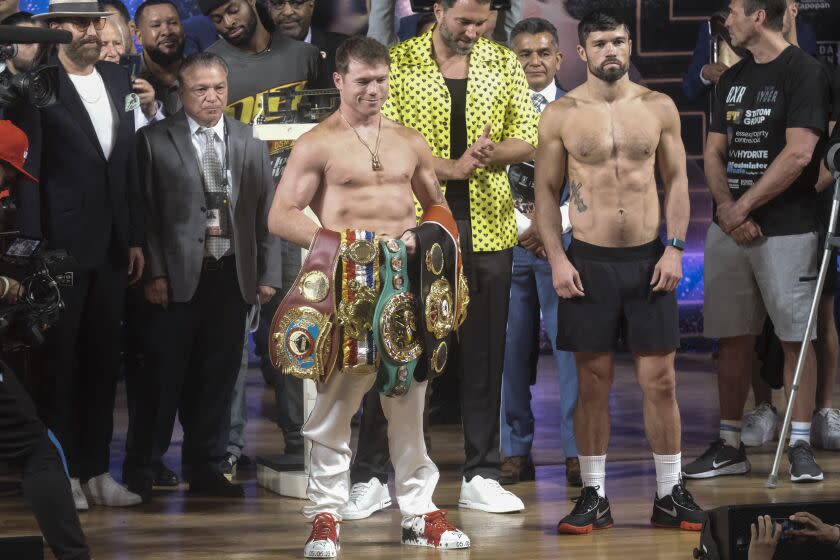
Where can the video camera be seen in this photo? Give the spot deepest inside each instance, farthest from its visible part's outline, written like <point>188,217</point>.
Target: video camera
<point>37,87</point>
<point>40,271</point>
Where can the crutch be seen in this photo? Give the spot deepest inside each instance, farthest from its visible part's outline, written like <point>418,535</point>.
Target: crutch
<point>831,242</point>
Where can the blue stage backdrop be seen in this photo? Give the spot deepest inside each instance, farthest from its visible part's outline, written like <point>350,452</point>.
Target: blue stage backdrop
<point>664,34</point>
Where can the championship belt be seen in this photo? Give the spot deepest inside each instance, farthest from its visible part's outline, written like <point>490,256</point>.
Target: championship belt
<point>304,338</point>
<point>395,323</point>
<point>359,291</point>
<point>443,292</point>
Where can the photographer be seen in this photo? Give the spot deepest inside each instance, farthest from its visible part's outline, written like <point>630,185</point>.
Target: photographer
<point>24,440</point>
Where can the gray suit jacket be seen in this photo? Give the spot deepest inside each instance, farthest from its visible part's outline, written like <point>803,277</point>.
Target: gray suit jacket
<point>174,203</point>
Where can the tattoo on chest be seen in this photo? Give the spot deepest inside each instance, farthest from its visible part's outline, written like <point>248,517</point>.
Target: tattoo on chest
<point>575,196</point>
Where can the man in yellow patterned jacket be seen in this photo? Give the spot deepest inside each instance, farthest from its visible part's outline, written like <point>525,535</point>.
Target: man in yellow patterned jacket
<point>469,99</point>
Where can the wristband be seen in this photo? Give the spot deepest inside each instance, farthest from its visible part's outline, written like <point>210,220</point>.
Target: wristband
<point>676,243</point>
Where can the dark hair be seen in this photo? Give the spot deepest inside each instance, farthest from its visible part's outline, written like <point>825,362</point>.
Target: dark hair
<point>361,49</point>
<point>775,10</point>
<point>579,8</point>
<point>534,26</point>
<point>600,20</point>
<point>449,3</point>
<point>17,18</point>
<point>138,13</point>
<point>121,9</point>
<point>205,59</point>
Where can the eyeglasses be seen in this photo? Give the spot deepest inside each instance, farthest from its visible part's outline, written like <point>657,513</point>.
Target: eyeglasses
<point>82,23</point>
<point>292,3</point>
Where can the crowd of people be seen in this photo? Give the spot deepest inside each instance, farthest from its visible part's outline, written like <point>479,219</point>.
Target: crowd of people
<point>186,232</point>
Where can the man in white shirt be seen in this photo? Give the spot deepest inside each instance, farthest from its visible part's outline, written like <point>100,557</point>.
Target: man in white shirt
<point>534,40</point>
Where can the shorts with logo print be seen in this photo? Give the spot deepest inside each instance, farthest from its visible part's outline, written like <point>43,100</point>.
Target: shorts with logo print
<point>775,276</point>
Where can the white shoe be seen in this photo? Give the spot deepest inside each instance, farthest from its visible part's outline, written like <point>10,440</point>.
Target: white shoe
<point>486,494</point>
<point>78,495</point>
<point>105,491</point>
<point>759,425</point>
<point>432,530</point>
<point>825,429</point>
<point>323,541</point>
<point>366,498</point>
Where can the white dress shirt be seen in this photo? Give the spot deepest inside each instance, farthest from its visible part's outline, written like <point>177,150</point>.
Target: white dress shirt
<point>198,141</point>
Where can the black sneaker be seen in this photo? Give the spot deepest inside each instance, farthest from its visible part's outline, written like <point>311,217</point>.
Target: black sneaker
<point>228,466</point>
<point>719,459</point>
<point>803,466</point>
<point>677,511</point>
<point>591,511</point>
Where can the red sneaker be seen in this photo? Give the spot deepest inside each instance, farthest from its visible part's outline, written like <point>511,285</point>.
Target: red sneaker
<point>433,530</point>
<point>323,541</point>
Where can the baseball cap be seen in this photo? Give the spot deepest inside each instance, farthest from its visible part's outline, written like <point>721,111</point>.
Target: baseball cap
<point>14,147</point>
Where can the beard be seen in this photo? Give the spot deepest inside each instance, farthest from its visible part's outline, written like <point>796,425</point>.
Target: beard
<point>164,58</point>
<point>609,74</point>
<point>451,40</point>
<point>82,53</point>
<point>247,33</point>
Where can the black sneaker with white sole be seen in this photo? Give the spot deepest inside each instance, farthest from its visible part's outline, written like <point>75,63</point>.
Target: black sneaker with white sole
<point>591,511</point>
<point>718,460</point>
<point>677,511</point>
<point>803,465</point>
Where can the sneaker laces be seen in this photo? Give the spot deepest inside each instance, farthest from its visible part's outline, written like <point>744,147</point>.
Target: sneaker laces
<point>801,451</point>
<point>683,497</point>
<point>713,450</point>
<point>324,528</point>
<point>583,503</point>
<point>358,490</point>
<point>494,486</point>
<point>436,522</point>
<point>832,419</point>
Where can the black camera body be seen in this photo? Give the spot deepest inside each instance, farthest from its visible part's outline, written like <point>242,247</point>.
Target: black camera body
<point>40,272</point>
<point>37,87</point>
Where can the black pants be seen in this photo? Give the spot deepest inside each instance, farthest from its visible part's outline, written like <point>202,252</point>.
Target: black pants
<point>24,441</point>
<point>81,359</point>
<point>192,354</point>
<point>477,358</point>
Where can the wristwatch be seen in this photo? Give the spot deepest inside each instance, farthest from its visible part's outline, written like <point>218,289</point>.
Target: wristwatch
<point>676,243</point>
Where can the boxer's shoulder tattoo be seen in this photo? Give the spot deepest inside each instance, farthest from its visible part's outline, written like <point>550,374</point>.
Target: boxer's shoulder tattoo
<point>574,193</point>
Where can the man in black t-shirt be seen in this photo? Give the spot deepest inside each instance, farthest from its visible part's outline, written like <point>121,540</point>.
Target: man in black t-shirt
<point>762,161</point>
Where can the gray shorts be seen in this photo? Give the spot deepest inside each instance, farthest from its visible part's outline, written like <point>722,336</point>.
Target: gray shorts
<point>743,284</point>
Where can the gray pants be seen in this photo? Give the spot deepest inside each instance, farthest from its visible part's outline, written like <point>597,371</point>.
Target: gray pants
<point>239,406</point>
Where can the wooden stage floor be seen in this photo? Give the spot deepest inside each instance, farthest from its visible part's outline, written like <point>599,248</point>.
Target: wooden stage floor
<point>267,527</point>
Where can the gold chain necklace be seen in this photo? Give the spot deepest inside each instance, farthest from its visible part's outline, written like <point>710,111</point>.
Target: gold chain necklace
<point>374,155</point>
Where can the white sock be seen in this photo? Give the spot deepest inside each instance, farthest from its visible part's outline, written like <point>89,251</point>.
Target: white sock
<point>593,472</point>
<point>668,469</point>
<point>730,432</point>
<point>800,431</point>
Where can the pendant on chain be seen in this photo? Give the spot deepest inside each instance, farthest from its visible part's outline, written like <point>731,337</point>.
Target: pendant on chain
<point>374,163</point>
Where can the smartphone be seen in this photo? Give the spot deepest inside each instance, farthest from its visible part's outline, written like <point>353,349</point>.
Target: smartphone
<point>23,247</point>
<point>787,526</point>
<point>132,63</point>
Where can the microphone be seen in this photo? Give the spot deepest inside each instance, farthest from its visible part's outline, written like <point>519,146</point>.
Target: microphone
<point>832,155</point>
<point>23,34</point>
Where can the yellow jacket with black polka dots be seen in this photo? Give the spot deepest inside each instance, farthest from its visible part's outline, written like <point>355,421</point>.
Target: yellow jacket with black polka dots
<point>497,92</point>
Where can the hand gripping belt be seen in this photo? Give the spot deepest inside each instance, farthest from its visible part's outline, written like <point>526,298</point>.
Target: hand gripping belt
<point>304,337</point>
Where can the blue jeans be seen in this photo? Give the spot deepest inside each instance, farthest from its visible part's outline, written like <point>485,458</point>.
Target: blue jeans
<point>531,291</point>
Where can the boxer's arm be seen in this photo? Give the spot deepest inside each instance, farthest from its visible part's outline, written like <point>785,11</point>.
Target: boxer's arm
<point>300,182</point>
<point>670,157</point>
<point>424,182</point>
<point>549,176</point>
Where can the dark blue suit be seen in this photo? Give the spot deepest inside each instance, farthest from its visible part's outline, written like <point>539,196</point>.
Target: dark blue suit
<point>693,86</point>
<point>531,292</point>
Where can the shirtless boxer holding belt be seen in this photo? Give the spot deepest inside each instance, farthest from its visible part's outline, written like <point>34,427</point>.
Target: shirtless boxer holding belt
<point>357,171</point>
<point>616,283</point>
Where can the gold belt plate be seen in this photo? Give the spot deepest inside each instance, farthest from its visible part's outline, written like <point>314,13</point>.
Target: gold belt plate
<point>398,328</point>
<point>440,318</point>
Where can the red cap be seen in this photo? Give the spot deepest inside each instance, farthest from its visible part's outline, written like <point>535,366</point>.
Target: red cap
<point>14,147</point>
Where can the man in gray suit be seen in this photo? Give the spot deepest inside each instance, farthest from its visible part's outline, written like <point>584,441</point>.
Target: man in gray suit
<point>207,188</point>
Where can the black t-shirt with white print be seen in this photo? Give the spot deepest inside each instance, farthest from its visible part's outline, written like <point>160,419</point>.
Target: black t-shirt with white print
<point>754,106</point>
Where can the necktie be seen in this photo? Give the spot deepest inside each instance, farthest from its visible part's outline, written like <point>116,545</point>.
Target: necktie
<point>215,244</point>
<point>539,101</point>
